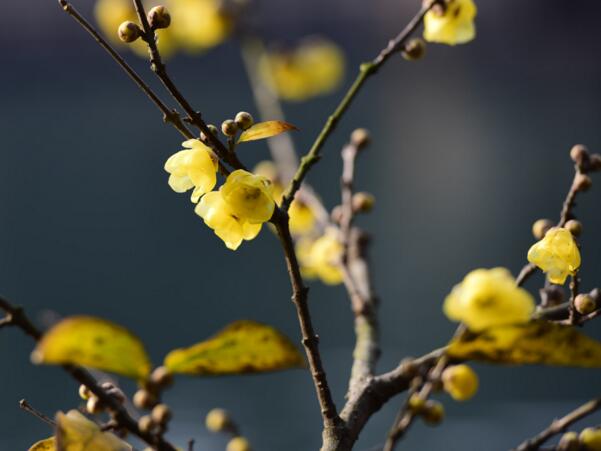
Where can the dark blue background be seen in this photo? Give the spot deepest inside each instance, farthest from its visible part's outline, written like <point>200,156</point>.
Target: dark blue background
<point>470,147</point>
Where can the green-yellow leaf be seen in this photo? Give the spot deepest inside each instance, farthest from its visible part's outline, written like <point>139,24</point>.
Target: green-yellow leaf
<point>537,342</point>
<point>264,130</point>
<point>74,432</point>
<point>242,347</point>
<point>44,445</point>
<point>95,343</point>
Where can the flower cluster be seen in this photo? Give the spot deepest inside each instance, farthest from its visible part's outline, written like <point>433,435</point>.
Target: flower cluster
<point>198,24</point>
<point>314,67</point>
<point>237,210</point>
<point>452,23</point>
<point>487,298</point>
<point>556,254</point>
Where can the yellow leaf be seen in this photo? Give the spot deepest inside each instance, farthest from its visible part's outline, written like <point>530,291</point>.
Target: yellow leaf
<point>242,347</point>
<point>264,130</point>
<point>96,343</point>
<point>44,445</point>
<point>536,342</point>
<point>74,432</point>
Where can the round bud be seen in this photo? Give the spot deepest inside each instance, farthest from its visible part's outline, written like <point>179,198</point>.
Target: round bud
<point>363,202</point>
<point>414,49</point>
<point>161,414</point>
<point>336,214</point>
<point>128,31</point>
<point>540,228</point>
<point>582,182</point>
<point>360,138</point>
<point>579,155</point>
<point>218,420</point>
<point>84,392</point>
<point>161,377</point>
<point>238,444</point>
<point>94,406</point>
<point>585,304</point>
<point>146,424</point>
<point>244,120</point>
<point>159,17</point>
<point>229,128</point>
<point>416,403</point>
<point>574,226</point>
<point>569,442</point>
<point>433,412</point>
<point>595,162</point>
<point>460,381</point>
<point>143,399</point>
<point>591,438</point>
<point>409,367</point>
<point>114,391</point>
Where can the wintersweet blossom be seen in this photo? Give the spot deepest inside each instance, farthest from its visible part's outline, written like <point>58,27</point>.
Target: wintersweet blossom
<point>198,24</point>
<point>237,211</point>
<point>452,25</point>
<point>488,297</point>
<point>320,258</point>
<point>193,167</point>
<point>556,254</point>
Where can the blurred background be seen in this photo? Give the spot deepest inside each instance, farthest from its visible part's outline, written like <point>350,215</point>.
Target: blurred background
<point>470,146</point>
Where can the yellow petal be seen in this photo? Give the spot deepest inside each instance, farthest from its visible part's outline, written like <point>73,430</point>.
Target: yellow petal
<point>74,432</point>
<point>44,445</point>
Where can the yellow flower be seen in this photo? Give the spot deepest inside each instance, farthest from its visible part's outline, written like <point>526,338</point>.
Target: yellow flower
<point>74,432</point>
<point>198,24</point>
<point>488,297</point>
<point>218,216</point>
<point>591,439</point>
<point>460,381</point>
<point>556,254</point>
<point>315,67</point>
<point>249,196</point>
<point>320,258</point>
<point>111,13</point>
<point>454,26</point>
<point>194,167</point>
<point>302,216</point>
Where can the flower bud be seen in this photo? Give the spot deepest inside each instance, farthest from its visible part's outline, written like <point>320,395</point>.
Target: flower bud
<point>159,17</point>
<point>460,381</point>
<point>129,31</point>
<point>540,228</point>
<point>336,214</point>
<point>114,391</point>
<point>414,49</point>
<point>433,413</point>
<point>218,420</point>
<point>416,403</point>
<point>574,226</point>
<point>146,424</point>
<point>244,120</point>
<point>238,444</point>
<point>569,442</point>
<point>585,304</point>
<point>161,414</point>
<point>84,392</point>
<point>360,138</point>
<point>161,377</point>
<point>582,182</point>
<point>94,406</point>
<point>591,438</point>
<point>143,399</point>
<point>363,202</point>
<point>595,162</point>
<point>579,155</point>
<point>229,128</point>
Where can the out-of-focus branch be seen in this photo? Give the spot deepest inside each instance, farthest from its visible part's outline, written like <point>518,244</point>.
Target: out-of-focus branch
<point>366,70</point>
<point>17,318</point>
<point>560,425</point>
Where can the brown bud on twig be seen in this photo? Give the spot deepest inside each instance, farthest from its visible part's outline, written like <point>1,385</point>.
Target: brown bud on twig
<point>94,405</point>
<point>238,444</point>
<point>569,442</point>
<point>585,304</point>
<point>229,128</point>
<point>143,399</point>
<point>84,392</point>
<point>360,138</point>
<point>218,420</point>
<point>582,182</point>
<point>414,49</point>
<point>244,120</point>
<point>579,155</point>
<point>363,202</point>
<point>159,17</point>
<point>146,424</point>
<point>114,391</point>
<point>540,228</point>
<point>161,414</point>
<point>433,412</point>
<point>574,226</point>
<point>336,214</point>
<point>129,31</point>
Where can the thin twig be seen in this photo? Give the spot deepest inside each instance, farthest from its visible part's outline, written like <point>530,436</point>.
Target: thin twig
<point>23,404</point>
<point>560,425</point>
<point>366,70</point>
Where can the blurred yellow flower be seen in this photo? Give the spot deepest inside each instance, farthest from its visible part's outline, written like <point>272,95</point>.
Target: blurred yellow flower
<point>453,26</point>
<point>313,68</point>
<point>460,381</point>
<point>218,216</point>
<point>591,438</point>
<point>302,216</point>
<point>556,254</point>
<point>112,13</point>
<point>320,258</point>
<point>487,298</point>
<point>194,167</point>
<point>198,24</point>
